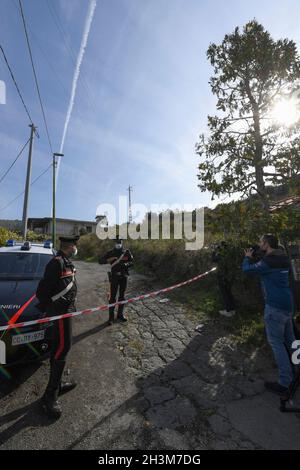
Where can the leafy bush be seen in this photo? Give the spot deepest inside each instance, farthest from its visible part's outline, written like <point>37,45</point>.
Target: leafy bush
<point>31,236</point>
<point>7,235</point>
<point>36,237</point>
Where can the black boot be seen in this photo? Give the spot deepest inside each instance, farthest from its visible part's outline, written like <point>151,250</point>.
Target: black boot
<point>66,387</point>
<point>275,387</point>
<point>49,400</point>
<point>111,318</point>
<point>120,316</point>
<point>122,319</point>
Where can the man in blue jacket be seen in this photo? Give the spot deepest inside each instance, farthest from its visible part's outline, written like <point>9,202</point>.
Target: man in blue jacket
<point>273,270</point>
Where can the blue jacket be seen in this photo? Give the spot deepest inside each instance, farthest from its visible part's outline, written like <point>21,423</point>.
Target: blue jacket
<point>273,270</point>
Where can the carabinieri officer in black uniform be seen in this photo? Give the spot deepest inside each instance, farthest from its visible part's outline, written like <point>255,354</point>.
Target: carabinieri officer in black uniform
<point>120,261</point>
<point>57,295</point>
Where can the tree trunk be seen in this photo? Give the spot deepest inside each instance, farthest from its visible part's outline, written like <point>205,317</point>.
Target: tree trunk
<point>258,153</point>
<point>258,165</point>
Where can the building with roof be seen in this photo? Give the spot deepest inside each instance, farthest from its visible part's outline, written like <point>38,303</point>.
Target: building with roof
<point>291,201</point>
<point>63,226</point>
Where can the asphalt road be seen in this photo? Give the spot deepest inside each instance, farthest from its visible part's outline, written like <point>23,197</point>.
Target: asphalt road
<point>153,383</point>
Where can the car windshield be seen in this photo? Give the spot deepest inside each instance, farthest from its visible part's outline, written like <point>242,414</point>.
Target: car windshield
<point>23,265</point>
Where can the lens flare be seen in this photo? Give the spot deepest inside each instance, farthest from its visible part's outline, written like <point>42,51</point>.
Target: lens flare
<point>286,112</point>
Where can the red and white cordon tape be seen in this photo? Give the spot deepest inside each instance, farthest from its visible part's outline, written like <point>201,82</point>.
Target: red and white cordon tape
<point>104,307</point>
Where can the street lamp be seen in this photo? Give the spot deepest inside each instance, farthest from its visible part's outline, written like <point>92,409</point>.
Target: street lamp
<point>53,198</point>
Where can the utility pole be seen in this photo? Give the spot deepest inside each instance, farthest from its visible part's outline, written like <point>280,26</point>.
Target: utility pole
<point>129,206</point>
<point>27,185</point>
<point>54,165</point>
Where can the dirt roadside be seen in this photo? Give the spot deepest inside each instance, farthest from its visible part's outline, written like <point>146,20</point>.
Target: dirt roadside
<point>153,383</point>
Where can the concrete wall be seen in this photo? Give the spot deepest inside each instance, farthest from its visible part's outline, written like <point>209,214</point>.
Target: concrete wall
<point>72,228</point>
<point>64,227</point>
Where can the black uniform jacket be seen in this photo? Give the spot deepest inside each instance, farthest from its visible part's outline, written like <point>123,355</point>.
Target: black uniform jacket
<point>59,273</point>
<point>122,267</point>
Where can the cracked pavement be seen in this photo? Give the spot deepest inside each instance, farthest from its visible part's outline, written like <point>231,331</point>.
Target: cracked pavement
<point>153,383</point>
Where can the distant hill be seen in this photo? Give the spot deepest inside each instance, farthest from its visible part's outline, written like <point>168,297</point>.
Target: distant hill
<point>13,225</point>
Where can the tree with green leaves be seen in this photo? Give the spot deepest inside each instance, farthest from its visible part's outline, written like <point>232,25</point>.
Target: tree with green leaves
<point>247,148</point>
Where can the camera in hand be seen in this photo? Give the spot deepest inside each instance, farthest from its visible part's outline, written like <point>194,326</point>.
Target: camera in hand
<point>257,253</point>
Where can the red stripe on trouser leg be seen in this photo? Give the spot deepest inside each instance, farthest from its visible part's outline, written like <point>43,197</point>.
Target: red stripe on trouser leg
<point>61,339</point>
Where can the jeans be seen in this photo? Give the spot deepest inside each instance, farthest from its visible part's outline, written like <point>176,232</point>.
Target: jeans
<point>280,336</point>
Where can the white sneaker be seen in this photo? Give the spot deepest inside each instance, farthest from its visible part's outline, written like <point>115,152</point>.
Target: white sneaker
<point>226,313</point>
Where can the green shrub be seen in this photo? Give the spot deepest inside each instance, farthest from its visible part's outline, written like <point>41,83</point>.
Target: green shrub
<point>7,235</point>
<point>36,237</point>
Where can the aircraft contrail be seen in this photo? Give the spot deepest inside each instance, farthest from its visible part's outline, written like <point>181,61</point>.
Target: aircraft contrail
<point>85,36</point>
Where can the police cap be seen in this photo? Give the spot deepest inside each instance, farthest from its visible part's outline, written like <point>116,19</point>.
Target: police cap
<point>73,239</point>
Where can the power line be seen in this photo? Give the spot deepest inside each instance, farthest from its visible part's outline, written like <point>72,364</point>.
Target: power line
<point>45,171</point>
<point>11,202</point>
<point>19,154</point>
<point>21,194</point>
<point>59,26</point>
<point>44,54</point>
<point>35,76</point>
<point>16,85</point>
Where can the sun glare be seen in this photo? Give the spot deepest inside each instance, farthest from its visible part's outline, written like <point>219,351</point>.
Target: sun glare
<point>286,112</point>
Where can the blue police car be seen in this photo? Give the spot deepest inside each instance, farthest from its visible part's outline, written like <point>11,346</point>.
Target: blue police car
<point>21,268</point>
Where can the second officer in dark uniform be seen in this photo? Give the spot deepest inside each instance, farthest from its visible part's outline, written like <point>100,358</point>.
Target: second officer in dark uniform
<point>120,260</point>
<point>57,295</point>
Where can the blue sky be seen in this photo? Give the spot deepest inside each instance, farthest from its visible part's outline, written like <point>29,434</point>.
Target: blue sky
<point>142,99</point>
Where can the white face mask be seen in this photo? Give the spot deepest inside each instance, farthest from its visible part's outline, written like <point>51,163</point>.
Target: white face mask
<point>118,246</point>
<point>74,252</point>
